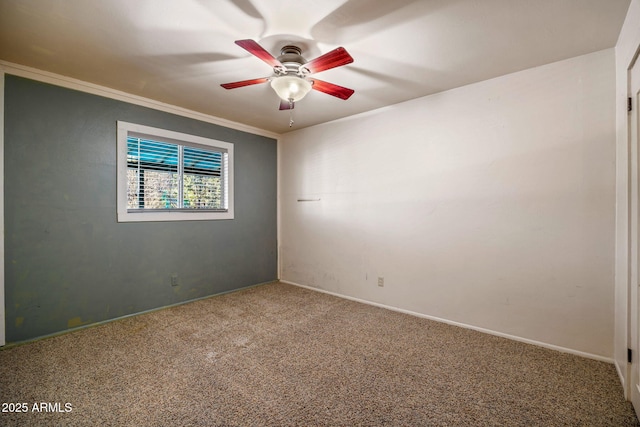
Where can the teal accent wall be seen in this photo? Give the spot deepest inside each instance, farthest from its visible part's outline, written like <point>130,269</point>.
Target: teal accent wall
<point>69,263</point>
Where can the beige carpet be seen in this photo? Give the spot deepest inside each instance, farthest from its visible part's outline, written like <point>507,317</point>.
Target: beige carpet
<point>278,355</point>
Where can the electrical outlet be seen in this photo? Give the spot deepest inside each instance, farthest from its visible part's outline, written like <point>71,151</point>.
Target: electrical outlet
<point>174,280</point>
<point>380,281</point>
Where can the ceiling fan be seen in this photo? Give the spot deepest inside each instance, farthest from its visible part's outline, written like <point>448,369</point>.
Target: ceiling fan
<point>291,79</point>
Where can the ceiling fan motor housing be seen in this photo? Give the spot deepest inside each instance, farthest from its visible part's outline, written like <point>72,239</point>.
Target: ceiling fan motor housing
<point>291,58</point>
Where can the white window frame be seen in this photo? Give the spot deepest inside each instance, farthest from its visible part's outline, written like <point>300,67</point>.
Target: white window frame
<point>125,215</point>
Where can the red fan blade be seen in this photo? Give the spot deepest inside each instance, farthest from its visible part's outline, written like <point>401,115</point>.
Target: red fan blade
<point>244,83</point>
<point>255,49</point>
<point>286,105</point>
<point>336,58</point>
<point>332,89</point>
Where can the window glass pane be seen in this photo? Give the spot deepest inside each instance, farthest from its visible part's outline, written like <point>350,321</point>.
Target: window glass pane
<point>160,189</point>
<point>202,179</point>
<point>153,181</point>
<point>132,189</point>
<point>202,192</point>
<point>149,189</point>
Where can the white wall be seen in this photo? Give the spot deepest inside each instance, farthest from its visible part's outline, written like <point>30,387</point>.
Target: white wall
<point>626,48</point>
<point>491,205</point>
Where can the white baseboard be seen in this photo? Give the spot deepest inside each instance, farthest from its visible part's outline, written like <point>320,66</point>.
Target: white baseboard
<point>462,325</point>
<point>622,380</point>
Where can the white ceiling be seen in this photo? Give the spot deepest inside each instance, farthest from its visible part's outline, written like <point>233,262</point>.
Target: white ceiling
<point>180,51</point>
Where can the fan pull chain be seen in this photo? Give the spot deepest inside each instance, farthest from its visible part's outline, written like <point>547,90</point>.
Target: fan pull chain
<point>290,112</point>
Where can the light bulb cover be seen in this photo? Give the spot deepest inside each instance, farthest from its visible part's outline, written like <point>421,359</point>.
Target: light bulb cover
<point>290,88</point>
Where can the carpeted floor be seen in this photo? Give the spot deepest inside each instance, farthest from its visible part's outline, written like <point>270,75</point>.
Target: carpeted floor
<point>279,355</point>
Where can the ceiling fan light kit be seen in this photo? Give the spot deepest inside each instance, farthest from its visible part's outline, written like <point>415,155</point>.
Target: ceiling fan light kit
<point>290,88</point>
<point>291,80</point>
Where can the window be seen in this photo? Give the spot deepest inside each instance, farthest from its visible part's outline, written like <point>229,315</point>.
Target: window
<point>170,176</point>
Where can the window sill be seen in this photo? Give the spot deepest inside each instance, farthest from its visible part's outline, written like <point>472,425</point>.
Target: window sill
<point>173,216</point>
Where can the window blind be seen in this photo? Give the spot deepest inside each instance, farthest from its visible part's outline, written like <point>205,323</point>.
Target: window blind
<point>163,175</point>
